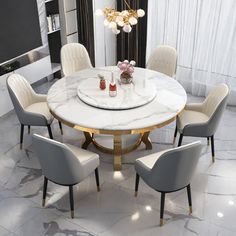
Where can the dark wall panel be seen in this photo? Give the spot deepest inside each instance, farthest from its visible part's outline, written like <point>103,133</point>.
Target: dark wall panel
<point>19,28</point>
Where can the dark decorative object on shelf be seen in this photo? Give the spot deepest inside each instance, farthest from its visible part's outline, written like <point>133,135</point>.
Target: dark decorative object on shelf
<point>9,67</point>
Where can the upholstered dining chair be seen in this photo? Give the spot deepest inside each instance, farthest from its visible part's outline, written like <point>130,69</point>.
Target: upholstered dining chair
<point>64,164</point>
<point>31,108</point>
<point>164,60</point>
<point>169,171</point>
<point>202,119</point>
<point>74,57</point>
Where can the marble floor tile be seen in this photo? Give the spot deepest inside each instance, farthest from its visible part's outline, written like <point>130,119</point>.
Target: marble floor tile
<point>48,223</point>
<point>15,211</point>
<point>4,232</point>
<point>115,210</point>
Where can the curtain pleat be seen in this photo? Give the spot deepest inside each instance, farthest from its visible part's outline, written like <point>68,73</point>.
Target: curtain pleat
<point>86,26</point>
<point>132,46</point>
<point>204,34</point>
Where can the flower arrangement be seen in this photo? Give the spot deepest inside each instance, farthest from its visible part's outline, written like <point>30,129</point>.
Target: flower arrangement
<point>127,69</point>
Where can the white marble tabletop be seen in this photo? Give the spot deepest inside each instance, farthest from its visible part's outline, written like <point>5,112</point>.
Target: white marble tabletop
<point>138,93</point>
<point>64,102</point>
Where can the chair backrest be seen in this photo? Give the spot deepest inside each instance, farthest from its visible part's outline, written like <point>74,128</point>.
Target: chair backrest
<point>58,162</point>
<point>164,60</point>
<point>175,168</point>
<point>20,91</point>
<point>74,57</point>
<point>214,106</point>
<point>215,98</point>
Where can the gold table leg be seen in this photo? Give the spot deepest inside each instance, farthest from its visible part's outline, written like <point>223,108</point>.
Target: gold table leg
<point>117,152</point>
<point>147,141</point>
<point>88,140</point>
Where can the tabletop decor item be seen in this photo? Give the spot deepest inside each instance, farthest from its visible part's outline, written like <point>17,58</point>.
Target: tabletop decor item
<point>112,87</point>
<point>125,19</point>
<point>102,83</point>
<point>127,69</point>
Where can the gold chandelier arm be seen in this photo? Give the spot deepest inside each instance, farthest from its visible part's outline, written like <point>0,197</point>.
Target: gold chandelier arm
<point>127,4</point>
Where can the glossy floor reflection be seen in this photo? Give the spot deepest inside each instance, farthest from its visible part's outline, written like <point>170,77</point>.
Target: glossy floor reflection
<point>114,211</point>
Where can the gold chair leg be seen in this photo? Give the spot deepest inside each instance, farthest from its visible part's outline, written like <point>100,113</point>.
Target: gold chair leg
<point>190,210</point>
<point>161,222</point>
<point>213,158</point>
<point>72,214</point>
<point>174,139</point>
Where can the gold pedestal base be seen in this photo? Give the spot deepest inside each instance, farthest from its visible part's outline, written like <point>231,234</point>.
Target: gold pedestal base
<point>117,150</point>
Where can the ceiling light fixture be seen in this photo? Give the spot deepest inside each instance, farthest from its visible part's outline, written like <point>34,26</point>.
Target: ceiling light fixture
<point>115,20</point>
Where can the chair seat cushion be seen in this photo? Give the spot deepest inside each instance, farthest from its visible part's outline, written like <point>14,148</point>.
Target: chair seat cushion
<point>188,117</point>
<point>42,109</point>
<point>89,160</point>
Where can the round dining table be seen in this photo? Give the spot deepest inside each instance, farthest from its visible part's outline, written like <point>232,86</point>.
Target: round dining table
<point>151,101</point>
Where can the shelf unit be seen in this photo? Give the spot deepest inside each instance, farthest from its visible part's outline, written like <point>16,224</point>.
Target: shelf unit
<point>68,16</point>
<point>54,36</point>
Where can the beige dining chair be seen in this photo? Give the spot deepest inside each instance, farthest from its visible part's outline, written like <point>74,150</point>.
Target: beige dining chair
<point>64,164</point>
<point>169,171</point>
<point>164,60</point>
<point>202,119</point>
<point>31,108</point>
<point>74,57</point>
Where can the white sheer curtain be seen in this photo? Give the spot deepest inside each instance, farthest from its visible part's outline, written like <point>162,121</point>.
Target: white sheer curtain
<point>204,34</point>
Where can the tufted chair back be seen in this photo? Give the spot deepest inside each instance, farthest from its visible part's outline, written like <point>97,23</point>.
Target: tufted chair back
<point>20,91</point>
<point>74,57</point>
<point>164,60</point>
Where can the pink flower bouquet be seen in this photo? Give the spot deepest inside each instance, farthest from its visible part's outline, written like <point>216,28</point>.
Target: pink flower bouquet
<point>127,69</point>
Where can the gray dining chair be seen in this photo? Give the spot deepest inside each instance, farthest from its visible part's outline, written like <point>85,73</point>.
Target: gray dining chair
<point>164,60</point>
<point>202,119</point>
<point>74,57</point>
<point>64,164</point>
<point>169,171</point>
<point>31,108</point>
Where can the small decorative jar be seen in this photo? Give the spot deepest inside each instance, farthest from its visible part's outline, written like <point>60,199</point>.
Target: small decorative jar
<point>102,83</point>
<point>127,69</point>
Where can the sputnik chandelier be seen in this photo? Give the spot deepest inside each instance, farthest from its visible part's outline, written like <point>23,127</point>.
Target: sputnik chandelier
<point>115,20</point>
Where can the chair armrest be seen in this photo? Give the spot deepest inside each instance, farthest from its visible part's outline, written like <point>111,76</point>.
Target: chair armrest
<point>40,97</point>
<point>194,107</point>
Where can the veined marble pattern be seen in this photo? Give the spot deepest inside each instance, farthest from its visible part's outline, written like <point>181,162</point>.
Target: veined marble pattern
<point>65,103</point>
<point>140,92</point>
<point>114,211</point>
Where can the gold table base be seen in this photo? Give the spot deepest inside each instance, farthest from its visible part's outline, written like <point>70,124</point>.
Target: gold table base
<point>117,150</point>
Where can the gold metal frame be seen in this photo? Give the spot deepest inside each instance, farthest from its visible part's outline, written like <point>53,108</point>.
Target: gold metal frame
<point>117,150</point>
